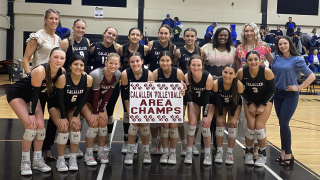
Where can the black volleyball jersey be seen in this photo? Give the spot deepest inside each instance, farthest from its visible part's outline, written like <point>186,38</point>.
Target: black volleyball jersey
<point>100,54</point>
<point>255,88</point>
<point>173,76</point>
<point>74,93</point>
<point>131,78</point>
<point>197,89</point>
<point>185,57</point>
<point>125,55</point>
<point>81,48</point>
<point>152,57</point>
<point>23,88</point>
<point>226,96</point>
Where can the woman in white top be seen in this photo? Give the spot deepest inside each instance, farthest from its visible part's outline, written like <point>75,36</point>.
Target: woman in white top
<point>40,44</point>
<point>314,32</point>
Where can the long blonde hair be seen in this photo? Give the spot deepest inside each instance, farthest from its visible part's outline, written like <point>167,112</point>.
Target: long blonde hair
<point>257,37</point>
<point>71,37</point>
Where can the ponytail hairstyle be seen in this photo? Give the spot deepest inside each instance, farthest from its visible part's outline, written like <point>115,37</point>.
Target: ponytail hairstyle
<point>165,53</point>
<point>196,47</point>
<point>234,86</point>
<point>125,53</point>
<point>48,11</point>
<point>195,56</point>
<point>170,31</point>
<point>114,43</point>
<point>252,52</point>
<point>71,37</point>
<point>113,55</point>
<point>48,71</point>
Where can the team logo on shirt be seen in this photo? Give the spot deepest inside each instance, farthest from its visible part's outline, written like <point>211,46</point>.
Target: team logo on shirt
<point>80,48</point>
<point>70,91</point>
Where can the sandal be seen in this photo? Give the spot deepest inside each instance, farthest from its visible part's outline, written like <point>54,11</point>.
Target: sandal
<point>285,162</point>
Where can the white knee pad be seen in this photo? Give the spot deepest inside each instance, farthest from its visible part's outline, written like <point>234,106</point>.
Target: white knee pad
<point>249,134</point>
<point>92,132</point>
<point>219,131</point>
<point>75,137</point>
<point>164,132</point>
<point>154,125</point>
<point>133,130</point>
<point>29,134</point>
<point>206,132</point>
<point>181,124</point>
<point>110,119</point>
<point>125,117</point>
<point>260,134</point>
<point>62,138</point>
<point>174,133</point>
<point>144,131</point>
<point>191,130</point>
<point>41,134</point>
<point>199,124</point>
<point>103,131</point>
<point>232,133</point>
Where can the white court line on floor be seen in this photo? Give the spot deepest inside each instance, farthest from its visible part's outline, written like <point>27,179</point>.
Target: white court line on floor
<point>102,167</point>
<point>265,166</point>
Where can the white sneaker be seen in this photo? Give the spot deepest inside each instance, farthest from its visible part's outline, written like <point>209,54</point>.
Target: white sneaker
<point>136,148</point>
<point>164,158</point>
<point>129,158</point>
<point>172,158</point>
<point>107,146</point>
<point>25,168</point>
<point>95,147</point>
<point>161,149</point>
<point>89,159</point>
<point>67,153</point>
<point>61,165</point>
<point>184,148</point>
<point>124,147</point>
<point>188,158</point>
<point>261,160</point>
<point>218,157</point>
<point>79,153</point>
<point>103,157</point>
<point>195,150</point>
<point>73,164</point>
<point>248,157</point>
<point>207,159</point>
<point>229,158</point>
<point>146,157</point>
<point>40,165</point>
<point>154,147</point>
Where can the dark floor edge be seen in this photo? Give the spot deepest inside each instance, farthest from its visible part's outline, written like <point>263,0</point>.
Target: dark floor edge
<point>297,162</point>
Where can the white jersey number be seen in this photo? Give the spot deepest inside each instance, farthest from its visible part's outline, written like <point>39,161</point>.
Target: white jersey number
<point>255,90</point>
<point>199,93</point>
<point>74,98</point>
<point>103,59</point>
<point>81,53</point>
<point>226,100</point>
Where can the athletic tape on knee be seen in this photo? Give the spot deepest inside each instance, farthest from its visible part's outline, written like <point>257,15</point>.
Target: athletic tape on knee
<point>191,130</point>
<point>62,138</point>
<point>125,117</point>
<point>164,132</point>
<point>174,133</point>
<point>199,124</point>
<point>29,134</point>
<point>219,131</point>
<point>206,132</point>
<point>133,130</point>
<point>110,119</point>
<point>154,125</point>
<point>103,131</point>
<point>260,134</point>
<point>75,137</point>
<point>144,131</point>
<point>92,132</point>
<point>250,134</point>
<point>232,133</point>
<point>41,134</point>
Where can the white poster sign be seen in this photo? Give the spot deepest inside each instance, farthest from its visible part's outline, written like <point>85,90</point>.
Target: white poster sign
<point>156,103</point>
<point>98,11</point>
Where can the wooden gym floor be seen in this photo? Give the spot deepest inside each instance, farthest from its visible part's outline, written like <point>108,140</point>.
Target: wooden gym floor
<point>305,129</point>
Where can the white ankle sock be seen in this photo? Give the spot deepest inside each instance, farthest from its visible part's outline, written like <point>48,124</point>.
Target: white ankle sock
<point>89,150</point>
<point>166,150</point>
<point>219,148</point>
<point>73,155</point>
<point>60,157</point>
<point>230,150</point>
<point>207,150</point>
<point>25,156</point>
<point>146,148</point>
<point>37,155</point>
<point>100,149</point>
<point>172,150</point>
<point>189,149</point>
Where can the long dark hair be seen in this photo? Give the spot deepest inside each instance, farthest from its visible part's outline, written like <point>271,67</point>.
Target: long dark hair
<point>165,53</point>
<point>170,31</point>
<point>196,47</point>
<point>134,54</point>
<point>48,71</point>
<point>195,56</point>
<point>215,42</point>
<point>292,48</point>
<point>252,52</point>
<point>234,86</point>
<point>125,53</point>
